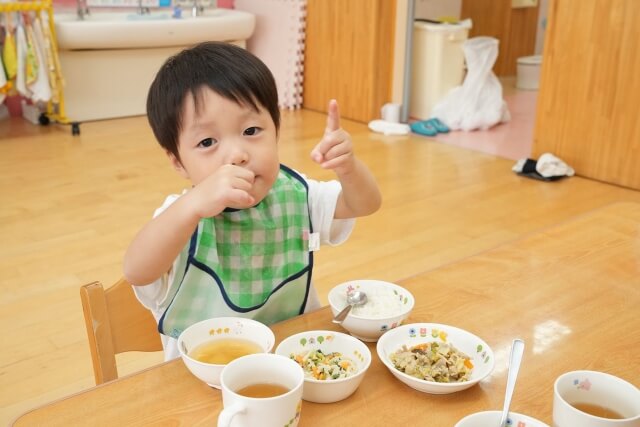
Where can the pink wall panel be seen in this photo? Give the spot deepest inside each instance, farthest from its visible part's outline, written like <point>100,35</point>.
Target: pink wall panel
<point>278,41</point>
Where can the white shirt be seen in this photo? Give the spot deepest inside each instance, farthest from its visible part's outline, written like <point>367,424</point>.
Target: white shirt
<point>323,196</point>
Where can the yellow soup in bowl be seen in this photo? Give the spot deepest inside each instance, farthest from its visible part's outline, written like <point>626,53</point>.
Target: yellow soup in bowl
<point>223,351</point>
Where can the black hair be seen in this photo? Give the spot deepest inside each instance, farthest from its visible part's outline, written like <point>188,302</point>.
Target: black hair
<point>228,70</point>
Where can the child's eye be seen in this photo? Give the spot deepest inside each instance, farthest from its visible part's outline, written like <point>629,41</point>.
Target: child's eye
<point>253,130</point>
<point>207,142</point>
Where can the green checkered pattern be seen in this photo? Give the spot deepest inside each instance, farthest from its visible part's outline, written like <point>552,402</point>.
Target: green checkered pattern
<point>254,250</point>
<point>190,305</point>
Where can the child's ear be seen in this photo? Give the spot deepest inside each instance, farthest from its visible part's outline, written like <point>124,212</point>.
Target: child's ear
<point>177,165</point>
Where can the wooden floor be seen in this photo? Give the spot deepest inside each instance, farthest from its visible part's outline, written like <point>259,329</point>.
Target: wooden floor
<point>70,206</point>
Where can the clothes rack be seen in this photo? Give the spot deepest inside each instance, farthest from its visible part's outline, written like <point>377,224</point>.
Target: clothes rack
<point>55,110</point>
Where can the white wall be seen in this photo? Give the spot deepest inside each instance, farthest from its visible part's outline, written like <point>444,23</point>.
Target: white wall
<point>542,16</point>
<point>436,9</point>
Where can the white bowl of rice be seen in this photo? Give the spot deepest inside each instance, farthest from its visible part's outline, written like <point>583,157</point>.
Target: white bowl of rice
<point>387,306</point>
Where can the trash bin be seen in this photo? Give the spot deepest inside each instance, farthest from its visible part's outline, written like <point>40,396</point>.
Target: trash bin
<point>437,63</point>
<point>528,75</point>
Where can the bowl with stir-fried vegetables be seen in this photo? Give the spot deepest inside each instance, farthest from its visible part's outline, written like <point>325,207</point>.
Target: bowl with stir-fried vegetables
<point>334,363</point>
<point>435,358</point>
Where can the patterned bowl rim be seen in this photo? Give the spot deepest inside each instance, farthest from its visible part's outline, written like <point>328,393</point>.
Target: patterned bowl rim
<point>342,335</point>
<point>400,329</point>
<point>271,339</point>
<point>524,417</point>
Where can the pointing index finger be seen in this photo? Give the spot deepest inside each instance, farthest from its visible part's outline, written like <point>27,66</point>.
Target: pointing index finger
<point>333,117</point>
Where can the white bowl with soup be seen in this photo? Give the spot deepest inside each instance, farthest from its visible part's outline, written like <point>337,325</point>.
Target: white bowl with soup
<point>387,306</point>
<point>208,346</point>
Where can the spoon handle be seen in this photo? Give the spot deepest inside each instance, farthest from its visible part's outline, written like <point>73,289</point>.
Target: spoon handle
<point>517,350</point>
<point>342,315</point>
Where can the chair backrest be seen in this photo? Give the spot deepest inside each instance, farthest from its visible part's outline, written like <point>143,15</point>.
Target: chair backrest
<point>116,322</point>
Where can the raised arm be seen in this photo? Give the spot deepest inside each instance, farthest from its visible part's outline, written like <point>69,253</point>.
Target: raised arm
<point>360,194</point>
<point>158,243</point>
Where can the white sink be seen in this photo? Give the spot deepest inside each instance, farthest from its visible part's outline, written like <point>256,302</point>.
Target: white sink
<point>109,59</point>
<point>126,30</point>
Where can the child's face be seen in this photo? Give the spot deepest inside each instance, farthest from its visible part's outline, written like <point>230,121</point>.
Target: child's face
<point>223,132</point>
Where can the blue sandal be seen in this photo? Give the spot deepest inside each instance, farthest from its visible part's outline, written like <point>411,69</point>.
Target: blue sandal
<point>440,127</point>
<point>424,128</point>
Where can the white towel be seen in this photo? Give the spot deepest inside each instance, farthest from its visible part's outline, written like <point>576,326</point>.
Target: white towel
<point>40,87</point>
<point>21,47</point>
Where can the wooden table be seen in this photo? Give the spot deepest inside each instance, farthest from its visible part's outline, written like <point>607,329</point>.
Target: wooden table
<point>572,292</point>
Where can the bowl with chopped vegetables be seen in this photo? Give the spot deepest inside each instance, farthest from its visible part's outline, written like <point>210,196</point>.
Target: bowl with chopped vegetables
<point>334,363</point>
<point>435,358</point>
<point>387,306</point>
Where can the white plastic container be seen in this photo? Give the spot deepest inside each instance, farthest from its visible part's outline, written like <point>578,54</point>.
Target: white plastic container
<point>528,74</point>
<point>438,63</point>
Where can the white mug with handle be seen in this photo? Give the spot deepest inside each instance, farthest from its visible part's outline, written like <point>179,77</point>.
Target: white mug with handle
<point>260,369</point>
<point>595,399</point>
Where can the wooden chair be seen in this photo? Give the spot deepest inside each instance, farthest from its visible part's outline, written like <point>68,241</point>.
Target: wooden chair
<point>116,322</point>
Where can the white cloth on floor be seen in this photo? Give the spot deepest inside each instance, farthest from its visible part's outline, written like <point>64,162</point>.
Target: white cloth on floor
<point>549,165</point>
<point>389,128</point>
<point>519,165</point>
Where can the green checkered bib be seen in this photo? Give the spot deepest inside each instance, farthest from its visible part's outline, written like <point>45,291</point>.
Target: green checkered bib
<point>251,263</point>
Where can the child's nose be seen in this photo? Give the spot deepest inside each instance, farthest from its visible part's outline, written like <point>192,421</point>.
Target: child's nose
<point>239,157</point>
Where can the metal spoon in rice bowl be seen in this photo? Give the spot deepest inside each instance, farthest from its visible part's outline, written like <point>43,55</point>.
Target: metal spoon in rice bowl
<point>353,299</point>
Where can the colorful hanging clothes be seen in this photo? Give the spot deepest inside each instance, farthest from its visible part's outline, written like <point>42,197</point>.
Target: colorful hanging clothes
<point>29,65</point>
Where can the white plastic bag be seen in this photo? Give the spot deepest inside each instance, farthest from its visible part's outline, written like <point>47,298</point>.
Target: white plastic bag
<point>478,103</point>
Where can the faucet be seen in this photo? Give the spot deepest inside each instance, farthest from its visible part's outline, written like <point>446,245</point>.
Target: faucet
<point>196,9</point>
<point>142,10</point>
<point>83,9</point>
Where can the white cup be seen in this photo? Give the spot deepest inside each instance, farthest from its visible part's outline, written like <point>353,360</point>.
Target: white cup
<point>594,388</point>
<point>278,411</point>
<point>391,113</point>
